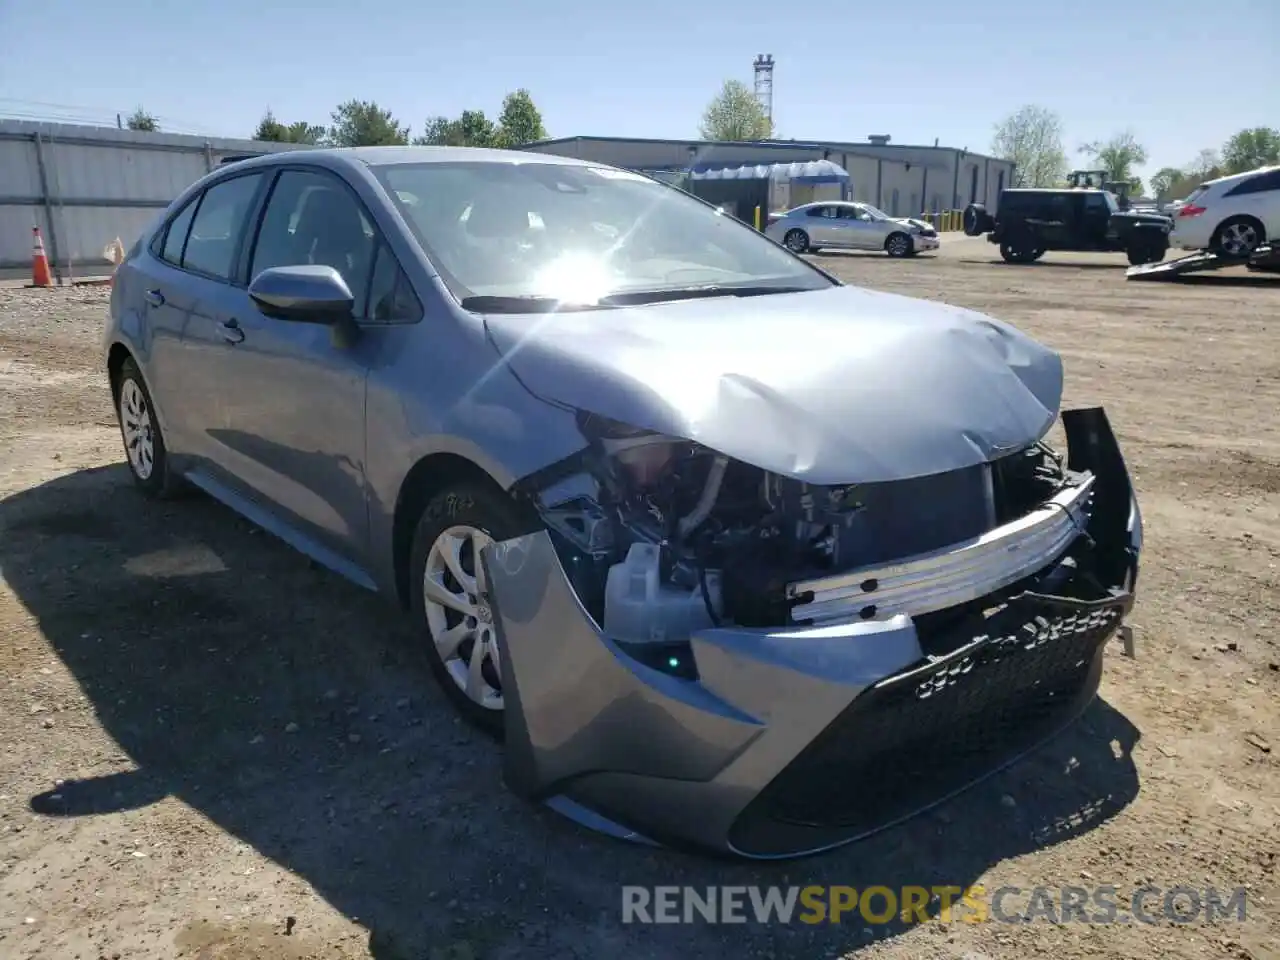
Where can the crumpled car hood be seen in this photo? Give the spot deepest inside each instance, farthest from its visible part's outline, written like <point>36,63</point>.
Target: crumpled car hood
<point>834,386</point>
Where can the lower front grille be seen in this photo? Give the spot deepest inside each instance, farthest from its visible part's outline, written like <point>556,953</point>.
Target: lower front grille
<point>920,736</point>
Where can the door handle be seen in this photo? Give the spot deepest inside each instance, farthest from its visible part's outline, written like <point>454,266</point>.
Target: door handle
<point>231,330</point>
<point>154,297</point>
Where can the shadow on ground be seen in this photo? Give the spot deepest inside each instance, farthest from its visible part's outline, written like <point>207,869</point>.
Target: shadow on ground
<point>290,709</point>
<point>1119,266</point>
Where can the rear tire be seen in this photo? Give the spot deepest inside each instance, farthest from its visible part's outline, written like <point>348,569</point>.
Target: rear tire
<point>1238,237</point>
<point>797,241</point>
<point>144,446</point>
<point>976,220</point>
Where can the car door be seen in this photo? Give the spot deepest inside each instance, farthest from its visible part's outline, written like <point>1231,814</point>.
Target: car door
<point>192,277</point>
<point>167,300</point>
<point>862,230</point>
<point>296,427</point>
<point>1095,220</point>
<point>823,226</point>
<point>1055,220</point>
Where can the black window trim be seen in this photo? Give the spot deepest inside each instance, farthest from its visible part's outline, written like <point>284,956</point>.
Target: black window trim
<point>1238,190</point>
<point>162,235</point>
<point>379,237</point>
<point>237,251</point>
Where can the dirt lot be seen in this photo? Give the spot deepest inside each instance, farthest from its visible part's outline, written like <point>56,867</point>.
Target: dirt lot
<point>211,749</point>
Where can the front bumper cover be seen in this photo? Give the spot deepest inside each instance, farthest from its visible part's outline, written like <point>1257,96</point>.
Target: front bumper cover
<point>799,739</point>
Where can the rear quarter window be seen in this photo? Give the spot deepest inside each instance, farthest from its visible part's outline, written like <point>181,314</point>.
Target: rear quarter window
<point>1262,183</point>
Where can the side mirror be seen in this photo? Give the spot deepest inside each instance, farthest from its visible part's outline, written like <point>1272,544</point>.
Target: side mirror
<point>304,293</point>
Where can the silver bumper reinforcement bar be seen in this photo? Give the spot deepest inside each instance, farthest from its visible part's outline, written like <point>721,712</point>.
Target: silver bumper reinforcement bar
<point>950,576</point>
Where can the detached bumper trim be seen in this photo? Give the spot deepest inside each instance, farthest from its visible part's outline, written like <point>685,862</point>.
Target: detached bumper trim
<point>950,576</point>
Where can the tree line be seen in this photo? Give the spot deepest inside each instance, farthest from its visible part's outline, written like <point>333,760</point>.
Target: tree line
<point>1032,138</point>
<point>363,123</point>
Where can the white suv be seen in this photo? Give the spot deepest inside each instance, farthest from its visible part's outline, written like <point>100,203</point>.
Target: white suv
<point>1231,216</point>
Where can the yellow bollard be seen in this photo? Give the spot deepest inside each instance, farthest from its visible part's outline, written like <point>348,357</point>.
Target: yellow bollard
<point>757,218</point>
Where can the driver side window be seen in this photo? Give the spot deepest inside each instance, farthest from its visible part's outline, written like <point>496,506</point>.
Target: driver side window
<point>312,218</point>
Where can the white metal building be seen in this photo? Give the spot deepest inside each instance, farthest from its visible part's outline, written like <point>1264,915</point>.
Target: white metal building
<point>902,180</point>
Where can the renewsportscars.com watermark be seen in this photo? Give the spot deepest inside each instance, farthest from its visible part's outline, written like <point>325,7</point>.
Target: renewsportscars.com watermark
<point>1102,904</point>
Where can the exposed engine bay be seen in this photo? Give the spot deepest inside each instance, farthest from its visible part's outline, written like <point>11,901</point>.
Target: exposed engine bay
<point>661,537</point>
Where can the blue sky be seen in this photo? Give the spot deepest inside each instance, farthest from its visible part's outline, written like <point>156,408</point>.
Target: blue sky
<point>918,70</point>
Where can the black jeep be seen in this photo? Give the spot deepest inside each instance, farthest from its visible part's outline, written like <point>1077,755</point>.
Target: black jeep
<point>1029,222</point>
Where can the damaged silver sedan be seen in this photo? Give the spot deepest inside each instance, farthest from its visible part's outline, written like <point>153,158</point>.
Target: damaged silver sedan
<point>730,555</point>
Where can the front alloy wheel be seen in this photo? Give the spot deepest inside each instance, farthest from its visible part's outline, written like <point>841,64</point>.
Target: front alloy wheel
<point>451,600</point>
<point>898,245</point>
<point>459,616</point>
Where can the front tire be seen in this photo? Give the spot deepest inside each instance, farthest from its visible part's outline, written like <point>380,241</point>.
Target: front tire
<point>797,241</point>
<point>450,600</point>
<point>144,446</point>
<point>898,244</point>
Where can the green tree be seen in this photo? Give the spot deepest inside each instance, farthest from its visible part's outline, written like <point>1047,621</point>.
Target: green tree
<point>271,129</point>
<point>470,129</point>
<point>735,114</point>
<point>520,121</point>
<point>141,120</point>
<point>1032,138</point>
<point>362,123</point>
<point>1163,181</point>
<point>1250,149</point>
<point>1118,156</point>
<point>1206,166</point>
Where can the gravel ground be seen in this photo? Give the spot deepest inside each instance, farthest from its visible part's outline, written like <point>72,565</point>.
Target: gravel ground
<point>212,749</point>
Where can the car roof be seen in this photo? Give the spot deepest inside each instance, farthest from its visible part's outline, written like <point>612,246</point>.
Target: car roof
<point>1232,178</point>
<point>390,156</point>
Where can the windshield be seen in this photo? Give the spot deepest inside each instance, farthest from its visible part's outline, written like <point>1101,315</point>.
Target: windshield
<point>580,234</point>
<point>875,214</point>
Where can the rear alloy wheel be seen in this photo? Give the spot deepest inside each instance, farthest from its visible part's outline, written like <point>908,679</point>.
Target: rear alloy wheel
<point>898,245</point>
<point>1237,238</point>
<point>797,241</point>
<point>144,446</point>
<point>451,598</point>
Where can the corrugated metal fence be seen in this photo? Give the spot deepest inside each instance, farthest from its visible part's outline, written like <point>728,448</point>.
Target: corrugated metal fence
<point>85,186</point>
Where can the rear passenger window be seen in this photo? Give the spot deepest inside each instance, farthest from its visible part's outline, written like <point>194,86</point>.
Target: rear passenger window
<point>391,299</point>
<point>176,238</point>
<point>211,247</point>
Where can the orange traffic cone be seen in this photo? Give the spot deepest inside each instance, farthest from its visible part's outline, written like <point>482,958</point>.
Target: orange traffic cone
<point>41,276</point>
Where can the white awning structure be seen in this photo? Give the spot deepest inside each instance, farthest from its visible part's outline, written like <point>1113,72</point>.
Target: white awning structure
<point>810,171</point>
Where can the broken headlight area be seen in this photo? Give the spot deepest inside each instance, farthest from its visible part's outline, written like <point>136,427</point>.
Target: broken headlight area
<point>661,537</point>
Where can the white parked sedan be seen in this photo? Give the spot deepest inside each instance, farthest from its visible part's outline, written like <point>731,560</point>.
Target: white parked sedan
<point>850,226</point>
<point>1231,216</point>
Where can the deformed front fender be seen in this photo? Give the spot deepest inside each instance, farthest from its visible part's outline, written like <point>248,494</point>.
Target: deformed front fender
<point>643,748</point>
